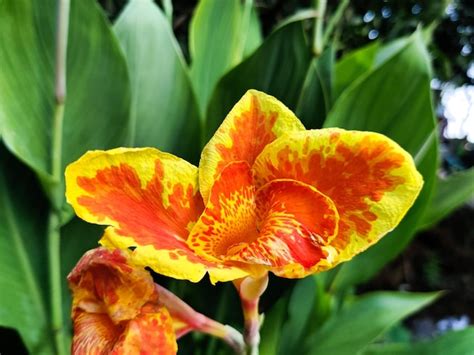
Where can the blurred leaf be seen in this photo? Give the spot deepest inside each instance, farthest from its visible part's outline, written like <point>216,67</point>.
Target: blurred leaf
<point>76,238</point>
<point>164,111</point>
<point>393,99</point>
<point>362,321</point>
<point>22,256</point>
<point>278,67</point>
<point>298,16</point>
<point>352,66</point>
<point>215,42</point>
<point>97,107</point>
<point>315,97</point>
<point>449,194</point>
<point>254,33</point>
<point>453,343</point>
<point>272,328</point>
<point>300,307</point>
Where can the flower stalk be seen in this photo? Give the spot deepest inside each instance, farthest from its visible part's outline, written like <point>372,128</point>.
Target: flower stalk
<point>250,289</point>
<point>199,322</point>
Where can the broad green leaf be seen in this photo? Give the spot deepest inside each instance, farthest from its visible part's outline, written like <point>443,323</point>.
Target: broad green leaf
<point>164,111</point>
<point>315,98</point>
<point>271,331</point>
<point>97,105</point>
<point>352,66</point>
<point>453,343</point>
<point>393,99</point>
<point>359,323</point>
<point>77,237</point>
<point>300,307</point>
<point>254,33</point>
<point>23,214</point>
<point>216,44</point>
<point>278,68</point>
<point>449,193</point>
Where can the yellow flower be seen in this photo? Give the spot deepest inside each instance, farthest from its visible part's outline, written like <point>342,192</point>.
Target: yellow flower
<point>268,196</point>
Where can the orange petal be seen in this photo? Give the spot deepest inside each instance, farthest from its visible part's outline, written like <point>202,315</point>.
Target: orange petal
<point>151,333</point>
<point>289,236</point>
<point>296,224</point>
<point>103,281</point>
<point>371,179</point>
<point>255,121</point>
<point>94,333</point>
<point>149,197</point>
<point>229,219</point>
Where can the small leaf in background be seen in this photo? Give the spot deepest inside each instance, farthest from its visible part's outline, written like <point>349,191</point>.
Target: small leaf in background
<point>300,310</point>
<point>453,343</point>
<point>380,101</point>
<point>23,279</point>
<point>449,193</point>
<point>164,111</point>
<point>220,34</point>
<point>97,105</point>
<point>278,68</point>
<point>315,98</point>
<point>360,323</point>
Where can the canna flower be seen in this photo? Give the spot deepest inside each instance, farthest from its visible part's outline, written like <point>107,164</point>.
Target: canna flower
<point>268,196</point>
<point>117,309</point>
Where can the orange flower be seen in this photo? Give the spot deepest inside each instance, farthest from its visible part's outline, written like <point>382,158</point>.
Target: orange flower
<point>272,196</point>
<point>117,309</point>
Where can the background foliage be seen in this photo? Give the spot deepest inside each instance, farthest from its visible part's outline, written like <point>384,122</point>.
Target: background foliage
<point>165,75</point>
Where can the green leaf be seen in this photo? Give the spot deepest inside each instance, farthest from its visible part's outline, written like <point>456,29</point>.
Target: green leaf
<point>449,194</point>
<point>352,66</point>
<point>97,104</point>
<point>23,213</point>
<point>164,111</point>
<point>359,323</point>
<point>393,99</point>
<point>216,44</point>
<point>278,67</point>
<point>453,343</point>
<point>300,307</point>
<point>254,33</point>
<point>272,328</point>
<point>315,98</point>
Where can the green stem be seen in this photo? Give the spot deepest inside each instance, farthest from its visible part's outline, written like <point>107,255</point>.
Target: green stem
<point>318,44</point>
<point>334,20</point>
<point>55,283</point>
<point>54,224</point>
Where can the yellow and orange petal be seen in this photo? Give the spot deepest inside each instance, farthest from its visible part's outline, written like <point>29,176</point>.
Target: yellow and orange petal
<point>103,281</point>
<point>255,121</point>
<point>94,333</point>
<point>179,264</point>
<point>150,333</point>
<point>371,179</point>
<point>150,198</point>
<point>285,227</point>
